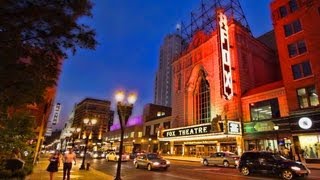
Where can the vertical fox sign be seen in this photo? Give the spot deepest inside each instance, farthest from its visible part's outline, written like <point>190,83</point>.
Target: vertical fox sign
<point>56,113</point>
<point>225,55</point>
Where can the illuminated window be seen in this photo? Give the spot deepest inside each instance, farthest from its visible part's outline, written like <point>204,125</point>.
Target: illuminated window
<point>283,11</point>
<point>202,100</point>
<point>307,97</point>
<point>301,70</point>
<point>297,48</point>
<point>293,5</point>
<point>132,134</point>
<point>140,134</point>
<point>267,109</point>
<point>292,28</point>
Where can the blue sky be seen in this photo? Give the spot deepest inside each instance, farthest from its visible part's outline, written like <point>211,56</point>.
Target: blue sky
<point>130,33</point>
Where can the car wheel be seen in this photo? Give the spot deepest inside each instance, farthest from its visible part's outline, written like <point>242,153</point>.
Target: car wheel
<point>149,167</point>
<point>205,162</point>
<point>287,174</point>
<point>245,171</point>
<point>166,168</point>
<point>225,163</point>
<point>136,165</point>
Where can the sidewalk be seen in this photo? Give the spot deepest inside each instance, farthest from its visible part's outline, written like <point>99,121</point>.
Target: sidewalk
<point>40,173</point>
<point>197,159</point>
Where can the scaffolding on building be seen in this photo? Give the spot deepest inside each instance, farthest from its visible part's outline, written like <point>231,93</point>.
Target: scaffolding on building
<point>204,18</point>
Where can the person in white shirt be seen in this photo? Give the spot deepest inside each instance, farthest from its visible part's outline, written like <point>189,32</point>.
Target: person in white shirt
<point>67,163</point>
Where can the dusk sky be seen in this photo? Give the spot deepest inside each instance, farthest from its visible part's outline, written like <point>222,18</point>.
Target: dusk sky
<point>130,33</point>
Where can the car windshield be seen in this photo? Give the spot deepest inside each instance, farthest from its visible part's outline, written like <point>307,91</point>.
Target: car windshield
<point>278,157</point>
<point>153,156</point>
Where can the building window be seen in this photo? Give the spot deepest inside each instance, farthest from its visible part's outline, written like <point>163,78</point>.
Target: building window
<point>301,70</point>
<point>262,110</point>
<point>148,131</point>
<point>292,28</point>
<point>139,134</point>
<point>307,97</point>
<point>293,5</point>
<point>283,11</point>
<point>166,125</point>
<point>297,48</point>
<point>202,100</point>
<point>160,113</point>
<point>179,82</point>
<point>156,128</point>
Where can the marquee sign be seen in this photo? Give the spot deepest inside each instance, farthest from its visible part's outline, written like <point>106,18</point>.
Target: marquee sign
<point>188,131</point>
<point>225,55</point>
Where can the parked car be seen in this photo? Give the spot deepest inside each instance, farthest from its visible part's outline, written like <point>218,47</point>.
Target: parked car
<point>221,158</point>
<point>114,156</point>
<point>98,154</point>
<point>268,162</point>
<point>151,161</point>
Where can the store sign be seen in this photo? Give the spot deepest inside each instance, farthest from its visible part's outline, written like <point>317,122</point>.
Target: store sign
<point>258,126</point>
<point>188,131</point>
<point>56,113</point>
<point>225,56</point>
<point>305,123</point>
<point>264,126</point>
<point>234,127</point>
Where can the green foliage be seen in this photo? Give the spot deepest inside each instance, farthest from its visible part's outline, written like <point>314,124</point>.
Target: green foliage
<point>35,35</point>
<point>15,133</point>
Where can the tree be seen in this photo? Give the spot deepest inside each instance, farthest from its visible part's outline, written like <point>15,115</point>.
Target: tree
<point>35,36</point>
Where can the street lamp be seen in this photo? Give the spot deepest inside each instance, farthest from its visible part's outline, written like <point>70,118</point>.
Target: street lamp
<point>124,110</point>
<point>89,123</point>
<point>276,128</point>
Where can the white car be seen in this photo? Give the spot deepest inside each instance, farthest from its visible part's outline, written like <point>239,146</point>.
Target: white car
<point>114,156</point>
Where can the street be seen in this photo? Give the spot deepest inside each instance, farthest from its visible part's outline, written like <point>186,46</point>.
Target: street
<point>179,170</point>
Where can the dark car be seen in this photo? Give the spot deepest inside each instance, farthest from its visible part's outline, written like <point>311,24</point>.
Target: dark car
<point>267,162</point>
<point>151,161</point>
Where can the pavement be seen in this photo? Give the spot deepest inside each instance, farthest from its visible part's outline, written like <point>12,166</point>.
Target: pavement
<point>40,173</point>
<point>198,159</point>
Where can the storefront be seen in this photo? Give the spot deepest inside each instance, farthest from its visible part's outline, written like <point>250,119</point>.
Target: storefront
<point>199,140</point>
<point>299,134</point>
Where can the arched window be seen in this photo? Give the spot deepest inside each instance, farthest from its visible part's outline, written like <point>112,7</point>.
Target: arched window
<point>202,100</point>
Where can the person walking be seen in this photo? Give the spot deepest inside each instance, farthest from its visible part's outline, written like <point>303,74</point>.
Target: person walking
<point>67,163</point>
<point>54,164</point>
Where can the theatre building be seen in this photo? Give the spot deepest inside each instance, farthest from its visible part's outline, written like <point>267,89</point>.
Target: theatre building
<point>217,67</point>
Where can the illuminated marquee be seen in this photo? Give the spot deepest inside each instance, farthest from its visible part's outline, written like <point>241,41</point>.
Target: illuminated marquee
<point>225,56</point>
<point>188,131</point>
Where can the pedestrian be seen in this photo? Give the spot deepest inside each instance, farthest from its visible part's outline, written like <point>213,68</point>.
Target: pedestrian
<point>15,154</point>
<point>67,163</point>
<point>54,163</point>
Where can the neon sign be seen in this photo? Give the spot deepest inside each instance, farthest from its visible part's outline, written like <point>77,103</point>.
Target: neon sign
<point>225,56</point>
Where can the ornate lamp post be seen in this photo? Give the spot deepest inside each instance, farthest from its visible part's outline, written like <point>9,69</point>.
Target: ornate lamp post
<point>88,123</point>
<point>124,110</point>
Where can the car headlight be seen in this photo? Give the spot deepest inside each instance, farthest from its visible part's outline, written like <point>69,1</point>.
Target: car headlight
<point>295,168</point>
<point>156,163</point>
<point>168,162</point>
<point>95,155</point>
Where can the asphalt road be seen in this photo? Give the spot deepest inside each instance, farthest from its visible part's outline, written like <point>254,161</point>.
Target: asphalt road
<point>180,170</point>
